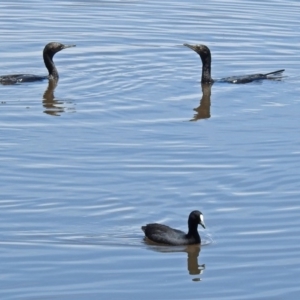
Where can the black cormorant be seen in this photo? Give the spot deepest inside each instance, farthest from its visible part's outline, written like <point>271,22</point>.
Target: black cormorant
<point>205,56</point>
<point>48,53</point>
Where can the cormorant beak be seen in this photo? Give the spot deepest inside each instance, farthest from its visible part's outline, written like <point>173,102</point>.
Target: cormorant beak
<point>68,46</point>
<point>201,222</point>
<point>190,46</point>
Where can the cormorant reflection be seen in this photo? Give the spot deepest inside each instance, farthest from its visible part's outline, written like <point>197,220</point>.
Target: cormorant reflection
<point>203,110</point>
<point>52,106</point>
<point>192,256</point>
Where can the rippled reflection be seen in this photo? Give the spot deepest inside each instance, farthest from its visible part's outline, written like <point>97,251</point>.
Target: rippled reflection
<point>52,106</point>
<point>192,251</point>
<point>203,110</point>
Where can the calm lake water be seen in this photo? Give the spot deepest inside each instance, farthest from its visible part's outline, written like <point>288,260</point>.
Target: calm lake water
<point>124,140</point>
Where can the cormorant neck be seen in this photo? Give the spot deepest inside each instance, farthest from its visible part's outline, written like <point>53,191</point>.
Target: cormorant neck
<point>48,60</point>
<point>206,70</point>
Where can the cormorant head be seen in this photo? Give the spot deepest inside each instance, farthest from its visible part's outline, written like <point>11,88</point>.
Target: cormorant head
<point>54,47</point>
<point>202,50</point>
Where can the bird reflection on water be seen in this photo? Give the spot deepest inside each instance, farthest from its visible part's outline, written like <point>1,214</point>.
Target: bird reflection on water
<point>192,251</point>
<point>203,110</point>
<point>53,106</point>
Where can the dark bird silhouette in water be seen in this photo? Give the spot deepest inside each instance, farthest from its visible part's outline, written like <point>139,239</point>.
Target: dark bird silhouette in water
<point>48,53</point>
<point>163,234</point>
<point>205,56</point>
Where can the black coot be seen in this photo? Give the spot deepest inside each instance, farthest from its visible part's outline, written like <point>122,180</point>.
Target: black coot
<point>163,234</point>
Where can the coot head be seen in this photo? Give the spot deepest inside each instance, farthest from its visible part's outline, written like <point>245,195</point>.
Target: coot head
<point>195,218</point>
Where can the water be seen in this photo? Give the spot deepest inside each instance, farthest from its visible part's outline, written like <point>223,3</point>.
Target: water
<point>85,164</point>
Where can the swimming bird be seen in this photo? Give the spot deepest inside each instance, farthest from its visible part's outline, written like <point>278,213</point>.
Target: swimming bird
<point>48,53</point>
<point>205,56</point>
<point>163,234</point>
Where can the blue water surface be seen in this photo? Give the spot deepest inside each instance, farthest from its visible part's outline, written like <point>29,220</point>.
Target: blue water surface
<point>127,138</point>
